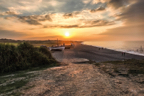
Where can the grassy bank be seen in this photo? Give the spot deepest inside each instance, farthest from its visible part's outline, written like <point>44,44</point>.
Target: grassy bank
<point>19,64</point>
<point>24,56</point>
<point>12,84</point>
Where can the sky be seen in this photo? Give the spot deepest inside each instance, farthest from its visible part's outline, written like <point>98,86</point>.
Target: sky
<point>85,20</point>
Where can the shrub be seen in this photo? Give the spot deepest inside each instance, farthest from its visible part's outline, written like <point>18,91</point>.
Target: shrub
<point>22,57</point>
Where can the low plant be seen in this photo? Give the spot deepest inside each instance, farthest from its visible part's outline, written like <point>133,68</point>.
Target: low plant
<point>24,56</point>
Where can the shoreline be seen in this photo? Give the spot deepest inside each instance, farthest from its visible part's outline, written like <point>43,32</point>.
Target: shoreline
<point>92,53</point>
<point>119,50</point>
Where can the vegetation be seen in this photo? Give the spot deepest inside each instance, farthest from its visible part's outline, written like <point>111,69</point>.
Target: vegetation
<point>133,67</point>
<point>10,87</point>
<point>11,83</point>
<point>23,56</point>
<point>36,43</point>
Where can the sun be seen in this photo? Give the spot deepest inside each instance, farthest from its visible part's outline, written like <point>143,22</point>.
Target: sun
<point>67,34</point>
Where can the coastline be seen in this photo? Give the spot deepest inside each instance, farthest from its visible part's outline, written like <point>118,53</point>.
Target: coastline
<point>119,50</point>
<point>93,53</point>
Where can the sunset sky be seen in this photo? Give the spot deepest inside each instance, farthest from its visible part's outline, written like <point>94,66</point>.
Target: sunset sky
<point>119,20</point>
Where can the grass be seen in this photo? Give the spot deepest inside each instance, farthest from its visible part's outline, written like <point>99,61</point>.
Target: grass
<point>11,83</point>
<point>114,62</point>
<point>124,75</point>
<point>19,63</point>
<point>37,43</point>
<point>13,86</point>
<point>15,94</point>
<point>135,66</point>
<point>27,75</point>
<point>136,71</point>
<point>24,56</point>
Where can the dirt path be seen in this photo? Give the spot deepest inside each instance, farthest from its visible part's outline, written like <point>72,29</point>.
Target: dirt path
<point>81,80</point>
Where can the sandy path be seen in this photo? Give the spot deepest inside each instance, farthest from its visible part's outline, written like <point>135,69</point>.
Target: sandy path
<point>81,80</point>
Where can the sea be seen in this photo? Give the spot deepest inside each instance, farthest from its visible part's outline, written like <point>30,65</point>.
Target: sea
<point>133,47</point>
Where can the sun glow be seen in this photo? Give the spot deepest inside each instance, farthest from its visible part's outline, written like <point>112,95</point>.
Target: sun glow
<point>67,34</point>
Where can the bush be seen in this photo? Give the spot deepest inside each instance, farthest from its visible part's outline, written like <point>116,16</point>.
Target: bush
<point>45,51</point>
<point>23,56</point>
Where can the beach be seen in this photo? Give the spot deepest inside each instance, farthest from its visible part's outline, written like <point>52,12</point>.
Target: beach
<point>77,76</point>
<point>97,54</point>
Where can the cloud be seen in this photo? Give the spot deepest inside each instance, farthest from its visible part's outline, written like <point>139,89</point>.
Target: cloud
<point>44,18</point>
<point>68,15</point>
<point>99,22</point>
<point>3,8</point>
<point>99,1</point>
<point>10,13</point>
<point>84,24</point>
<point>34,19</point>
<point>97,10</point>
<point>86,1</point>
<point>114,3</point>
<point>32,22</point>
<point>134,13</point>
<point>118,3</point>
<point>126,31</point>
<point>45,37</point>
<point>61,26</point>
<point>133,22</point>
<point>71,15</point>
<point>11,34</point>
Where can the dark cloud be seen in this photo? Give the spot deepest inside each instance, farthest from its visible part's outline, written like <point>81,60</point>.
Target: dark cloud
<point>32,22</point>
<point>126,31</point>
<point>11,34</point>
<point>96,23</point>
<point>47,17</point>
<point>34,19</point>
<point>61,26</point>
<point>3,8</point>
<point>71,15</point>
<point>118,3</point>
<point>133,22</point>
<point>68,15</point>
<point>72,5</point>
<point>134,13</point>
<point>97,10</point>
<point>9,13</point>
<point>44,18</point>
<point>87,24</point>
<point>45,37</point>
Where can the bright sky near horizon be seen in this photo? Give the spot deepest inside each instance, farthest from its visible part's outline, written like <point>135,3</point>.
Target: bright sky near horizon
<point>72,19</point>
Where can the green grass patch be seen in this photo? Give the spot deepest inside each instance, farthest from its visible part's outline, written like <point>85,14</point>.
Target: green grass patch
<point>114,62</point>
<point>15,94</point>
<point>134,66</point>
<point>124,75</point>
<point>13,86</point>
<point>97,64</point>
<point>136,71</point>
<point>22,57</point>
<point>29,87</point>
